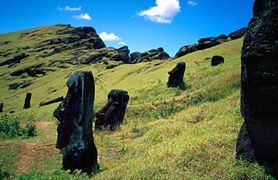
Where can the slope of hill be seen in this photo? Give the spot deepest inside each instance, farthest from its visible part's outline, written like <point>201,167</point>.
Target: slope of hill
<point>187,132</point>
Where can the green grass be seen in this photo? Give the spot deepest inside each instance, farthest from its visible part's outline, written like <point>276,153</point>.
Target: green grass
<point>168,133</point>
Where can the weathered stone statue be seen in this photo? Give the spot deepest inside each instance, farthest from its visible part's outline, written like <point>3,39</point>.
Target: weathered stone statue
<point>75,114</point>
<point>176,75</point>
<point>27,101</point>
<point>259,79</point>
<point>1,107</point>
<point>112,114</point>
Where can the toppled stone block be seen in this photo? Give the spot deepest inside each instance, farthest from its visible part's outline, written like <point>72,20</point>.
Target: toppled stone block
<point>75,114</point>
<point>112,114</point>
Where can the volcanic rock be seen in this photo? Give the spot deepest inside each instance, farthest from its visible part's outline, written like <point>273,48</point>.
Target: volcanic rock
<point>112,114</point>
<point>75,114</point>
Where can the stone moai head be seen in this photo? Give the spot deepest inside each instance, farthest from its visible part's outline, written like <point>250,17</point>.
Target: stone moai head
<point>176,75</point>
<point>112,114</point>
<point>259,83</point>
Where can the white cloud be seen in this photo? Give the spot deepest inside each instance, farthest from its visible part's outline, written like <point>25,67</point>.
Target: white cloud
<point>83,16</point>
<point>163,12</point>
<point>122,43</point>
<point>68,8</point>
<point>109,37</point>
<point>192,3</point>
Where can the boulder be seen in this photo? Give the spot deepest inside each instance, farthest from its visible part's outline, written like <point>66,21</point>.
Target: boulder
<point>153,54</point>
<point>216,60</point>
<point>1,107</point>
<point>27,101</point>
<point>237,34</point>
<point>75,114</point>
<point>176,75</point>
<point>259,87</point>
<point>122,55</point>
<point>112,114</point>
<point>55,100</point>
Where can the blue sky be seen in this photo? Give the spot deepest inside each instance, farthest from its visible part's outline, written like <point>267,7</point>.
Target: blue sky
<point>140,24</point>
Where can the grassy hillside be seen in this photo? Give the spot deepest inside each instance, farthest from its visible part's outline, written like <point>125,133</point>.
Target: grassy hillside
<point>168,133</point>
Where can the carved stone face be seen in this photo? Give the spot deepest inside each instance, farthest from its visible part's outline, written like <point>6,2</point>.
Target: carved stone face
<point>119,96</point>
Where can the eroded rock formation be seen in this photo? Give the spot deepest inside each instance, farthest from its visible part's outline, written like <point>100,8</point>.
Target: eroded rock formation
<point>112,114</point>
<point>176,75</point>
<point>75,114</point>
<point>27,101</point>
<point>208,42</point>
<point>259,79</point>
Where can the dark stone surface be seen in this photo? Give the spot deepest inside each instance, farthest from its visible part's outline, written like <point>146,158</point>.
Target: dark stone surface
<point>55,100</point>
<point>112,114</point>
<point>31,71</point>
<point>209,42</point>
<point>259,82</point>
<point>21,85</point>
<point>75,114</point>
<point>27,101</point>
<point>153,54</point>
<point>14,60</point>
<point>216,60</point>
<point>122,55</point>
<point>237,34</point>
<point>176,75</point>
<point>244,147</point>
<point>1,107</point>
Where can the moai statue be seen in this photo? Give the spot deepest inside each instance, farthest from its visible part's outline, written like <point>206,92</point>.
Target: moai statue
<point>176,75</point>
<point>27,101</point>
<point>259,85</point>
<point>1,107</point>
<point>112,114</point>
<point>75,115</point>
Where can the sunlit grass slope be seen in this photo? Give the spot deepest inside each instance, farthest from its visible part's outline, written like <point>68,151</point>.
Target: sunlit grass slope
<point>168,133</point>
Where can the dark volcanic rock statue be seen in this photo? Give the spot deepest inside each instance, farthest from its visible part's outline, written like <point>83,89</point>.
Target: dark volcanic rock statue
<point>27,101</point>
<point>75,114</point>
<point>1,107</point>
<point>259,79</point>
<point>176,75</point>
<point>112,114</point>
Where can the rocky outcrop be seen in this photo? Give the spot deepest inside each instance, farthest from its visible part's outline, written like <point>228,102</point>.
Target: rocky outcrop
<point>122,54</point>
<point>237,34</point>
<point>14,60</point>
<point>208,42</point>
<point>27,101</point>
<point>112,114</point>
<point>176,75</point>
<point>259,87</point>
<point>55,100</point>
<point>75,114</point>
<point>216,60</point>
<point>21,85</point>
<point>154,54</point>
<point>31,71</point>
